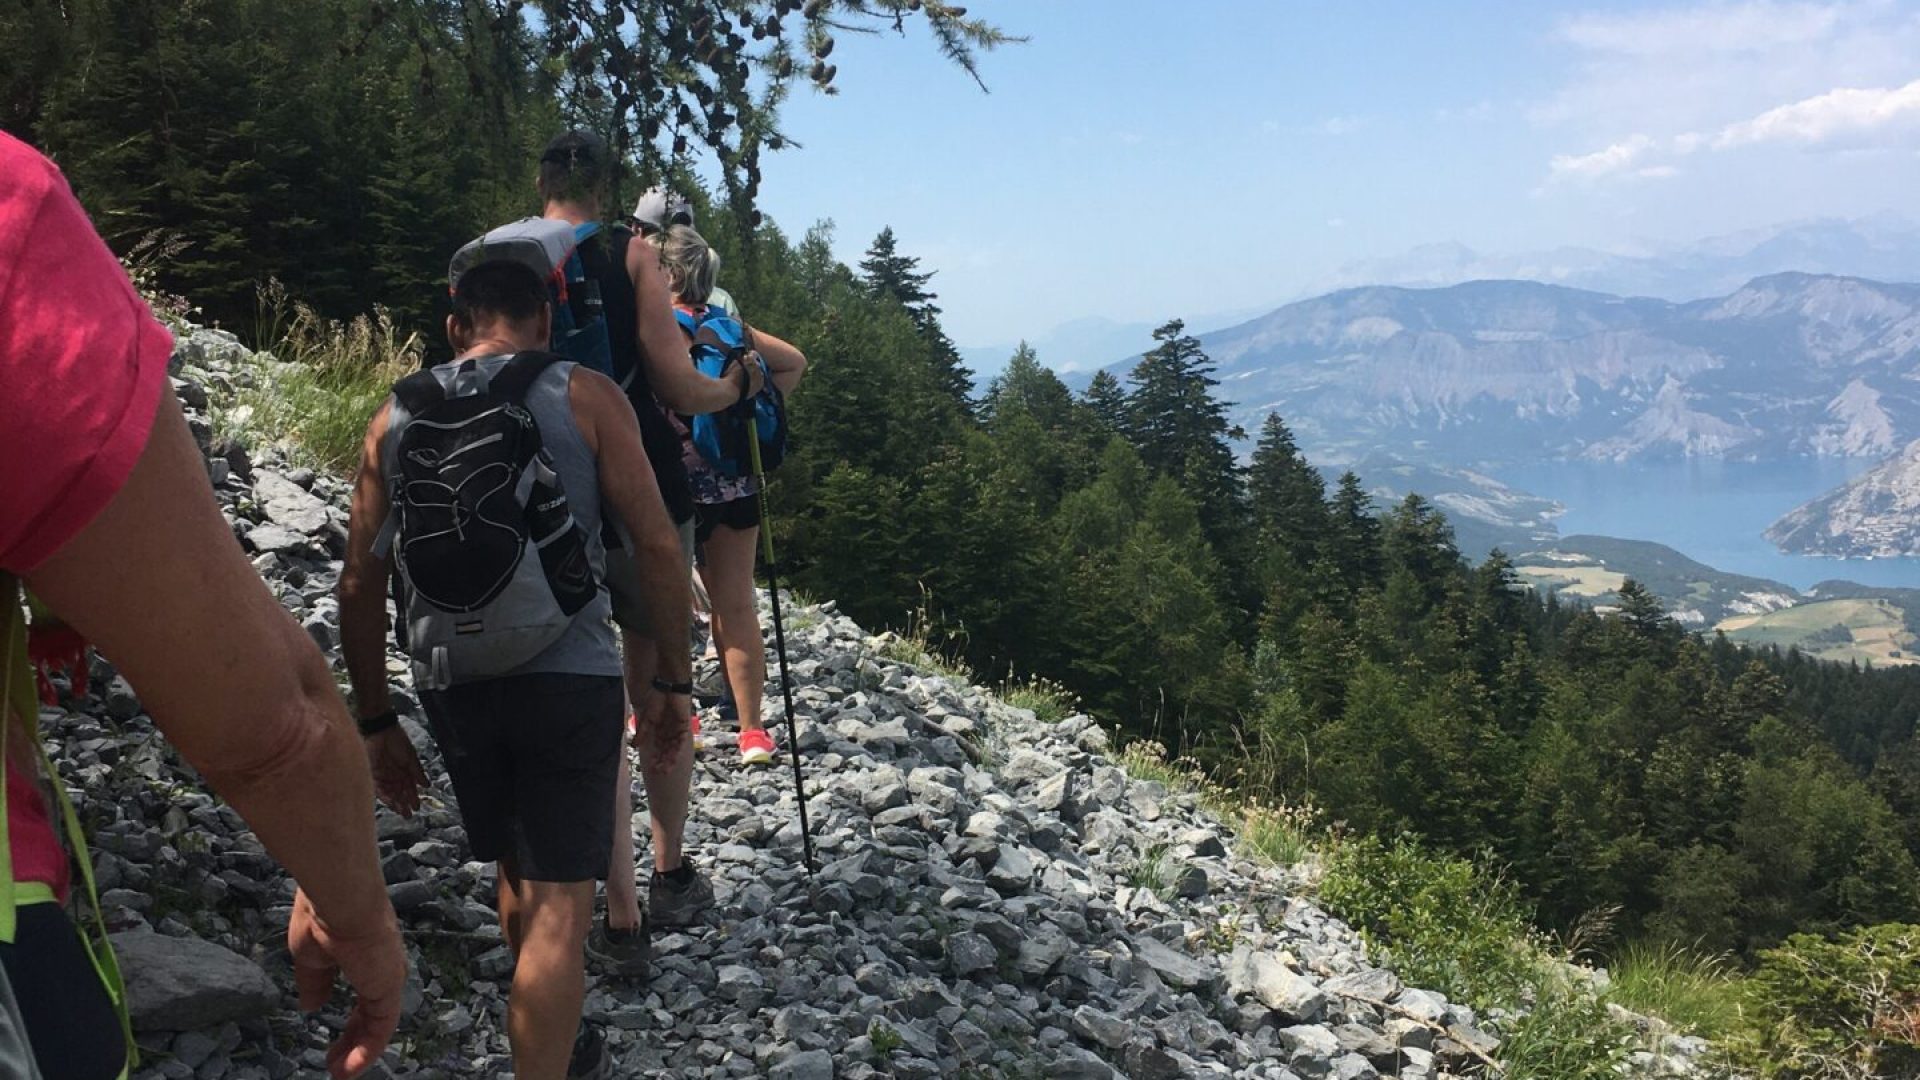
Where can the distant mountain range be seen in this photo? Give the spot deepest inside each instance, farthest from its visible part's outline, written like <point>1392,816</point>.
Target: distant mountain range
<point>1485,513</point>
<point>1505,371</point>
<point>1884,247</point>
<point>1080,347</point>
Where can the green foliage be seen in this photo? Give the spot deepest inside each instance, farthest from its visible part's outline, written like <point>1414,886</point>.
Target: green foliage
<point>1842,1008</point>
<point>327,380</point>
<point>1699,993</point>
<point>1566,1035</point>
<point>1437,920</point>
<point>1049,701</point>
<point>885,1039</point>
<point>1282,835</point>
<point>1155,872</point>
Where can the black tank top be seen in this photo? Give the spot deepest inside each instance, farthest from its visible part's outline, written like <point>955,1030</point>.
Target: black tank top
<point>604,258</point>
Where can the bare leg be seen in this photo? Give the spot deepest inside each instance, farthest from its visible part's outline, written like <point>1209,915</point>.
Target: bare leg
<point>549,979</point>
<point>736,620</point>
<point>512,917</point>
<point>623,888</point>
<point>666,757</point>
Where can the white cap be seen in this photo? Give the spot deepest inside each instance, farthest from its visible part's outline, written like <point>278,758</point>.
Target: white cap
<point>659,208</point>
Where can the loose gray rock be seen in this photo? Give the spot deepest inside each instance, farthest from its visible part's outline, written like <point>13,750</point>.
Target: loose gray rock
<point>1275,985</point>
<point>1179,969</point>
<point>184,983</point>
<point>806,1065</point>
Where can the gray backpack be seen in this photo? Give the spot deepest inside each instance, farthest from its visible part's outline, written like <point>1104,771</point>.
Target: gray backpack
<point>493,565</point>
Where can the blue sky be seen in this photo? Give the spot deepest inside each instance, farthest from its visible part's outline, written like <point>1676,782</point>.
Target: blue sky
<point>1138,161</point>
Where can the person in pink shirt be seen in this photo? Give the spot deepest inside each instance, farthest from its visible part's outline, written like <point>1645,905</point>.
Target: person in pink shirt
<point>107,516</point>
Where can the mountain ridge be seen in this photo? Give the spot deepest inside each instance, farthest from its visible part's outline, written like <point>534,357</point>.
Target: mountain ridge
<point>1486,372</point>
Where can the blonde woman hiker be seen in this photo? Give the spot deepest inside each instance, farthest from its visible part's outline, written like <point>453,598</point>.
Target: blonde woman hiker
<point>726,512</point>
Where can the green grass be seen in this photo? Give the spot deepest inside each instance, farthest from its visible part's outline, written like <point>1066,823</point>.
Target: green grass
<point>1282,835</point>
<point>1566,1035</point>
<point>1049,701</point>
<point>332,377</point>
<point>1699,994</point>
<point>1154,872</point>
<point>1441,922</point>
<point>1865,630</point>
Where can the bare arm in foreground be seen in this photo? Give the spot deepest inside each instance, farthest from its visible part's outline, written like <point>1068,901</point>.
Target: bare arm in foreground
<point>246,697</point>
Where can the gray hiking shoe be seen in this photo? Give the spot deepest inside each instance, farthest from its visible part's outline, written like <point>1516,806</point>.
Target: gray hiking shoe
<point>591,1059</point>
<point>673,904</point>
<point>625,953</point>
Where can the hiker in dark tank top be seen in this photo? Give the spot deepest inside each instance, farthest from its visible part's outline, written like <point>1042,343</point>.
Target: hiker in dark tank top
<point>650,359</point>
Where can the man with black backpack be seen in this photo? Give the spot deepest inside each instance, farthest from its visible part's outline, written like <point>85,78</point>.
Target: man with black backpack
<point>649,358</point>
<point>487,481</point>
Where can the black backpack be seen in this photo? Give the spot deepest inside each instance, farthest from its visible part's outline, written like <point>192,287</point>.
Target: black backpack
<point>493,563</point>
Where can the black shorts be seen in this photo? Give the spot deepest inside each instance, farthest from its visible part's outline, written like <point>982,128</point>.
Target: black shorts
<point>534,760</point>
<point>70,1019</point>
<point>740,514</point>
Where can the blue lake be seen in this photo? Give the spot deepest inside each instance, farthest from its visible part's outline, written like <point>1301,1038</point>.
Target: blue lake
<point>1709,510</point>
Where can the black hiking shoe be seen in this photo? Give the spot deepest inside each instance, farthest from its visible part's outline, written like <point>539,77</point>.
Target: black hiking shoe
<point>678,903</point>
<point>625,953</point>
<point>591,1058</point>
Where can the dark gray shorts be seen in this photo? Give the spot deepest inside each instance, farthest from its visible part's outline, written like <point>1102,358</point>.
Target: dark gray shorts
<point>534,760</point>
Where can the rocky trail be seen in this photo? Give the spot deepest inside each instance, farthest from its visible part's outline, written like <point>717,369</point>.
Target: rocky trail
<point>996,895</point>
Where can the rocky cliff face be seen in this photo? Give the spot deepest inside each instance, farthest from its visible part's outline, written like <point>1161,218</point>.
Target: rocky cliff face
<point>982,908</point>
<point>1876,514</point>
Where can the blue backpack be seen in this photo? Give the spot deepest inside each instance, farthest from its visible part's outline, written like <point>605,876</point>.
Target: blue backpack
<point>717,340</point>
<point>552,248</point>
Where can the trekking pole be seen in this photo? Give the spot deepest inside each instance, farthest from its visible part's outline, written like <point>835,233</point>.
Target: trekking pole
<point>780,638</point>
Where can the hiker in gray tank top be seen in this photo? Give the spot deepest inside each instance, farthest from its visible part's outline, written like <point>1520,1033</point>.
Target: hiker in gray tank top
<point>486,481</point>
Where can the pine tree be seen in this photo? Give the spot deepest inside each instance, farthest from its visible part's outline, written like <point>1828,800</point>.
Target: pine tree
<point>895,276</point>
<point>1107,402</point>
<point>1181,430</point>
<point>1287,494</point>
<point>1028,387</point>
<point>898,277</point>
<point>1353,535</point>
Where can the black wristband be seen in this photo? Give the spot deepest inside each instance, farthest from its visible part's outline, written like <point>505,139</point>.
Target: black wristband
<point>684,689</point>
<point>374,725</point>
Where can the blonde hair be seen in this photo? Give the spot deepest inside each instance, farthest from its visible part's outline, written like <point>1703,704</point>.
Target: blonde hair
<point>692,267</point>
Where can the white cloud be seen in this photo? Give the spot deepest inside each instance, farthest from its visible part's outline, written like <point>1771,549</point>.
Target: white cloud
<point>1340,125</point>
<point>1336,223</point>
<point>1754,26</point>
<point>1844,113</point>
<point>1695,67</point>
<point>1621,157</point>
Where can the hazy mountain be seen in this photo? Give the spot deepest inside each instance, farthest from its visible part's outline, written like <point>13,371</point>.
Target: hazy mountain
<point>1485,513</point>
<point>1078,348</point>
<point>1503,371</point>
<point>1875,514</point>
<point>1885,247</point>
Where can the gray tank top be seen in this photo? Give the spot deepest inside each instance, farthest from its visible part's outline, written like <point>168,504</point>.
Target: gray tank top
<point>588,646</point>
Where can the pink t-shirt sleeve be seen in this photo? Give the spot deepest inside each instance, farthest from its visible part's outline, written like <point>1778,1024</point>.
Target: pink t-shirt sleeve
<point>82,364</point>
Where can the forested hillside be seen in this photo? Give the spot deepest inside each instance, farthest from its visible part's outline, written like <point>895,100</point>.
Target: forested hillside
<point>1303,644</point>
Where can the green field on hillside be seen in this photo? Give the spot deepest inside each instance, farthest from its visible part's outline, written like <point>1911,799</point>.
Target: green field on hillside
<point>1864,630</point>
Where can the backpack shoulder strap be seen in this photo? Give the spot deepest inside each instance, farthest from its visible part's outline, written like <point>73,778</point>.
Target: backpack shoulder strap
<point>419,391</point>
<point>518,375</point>
<point>584,231</point>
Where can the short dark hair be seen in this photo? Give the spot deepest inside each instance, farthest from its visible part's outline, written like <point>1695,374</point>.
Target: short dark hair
<point>499,289</point>
<point>575,166</point>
